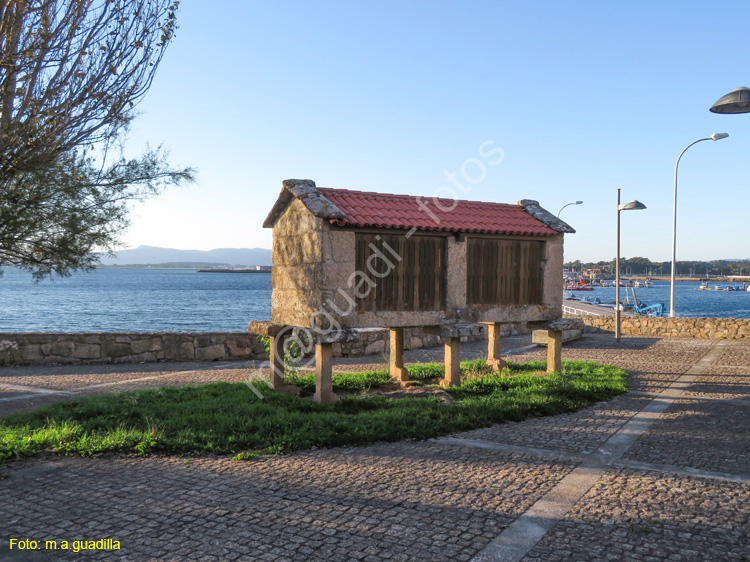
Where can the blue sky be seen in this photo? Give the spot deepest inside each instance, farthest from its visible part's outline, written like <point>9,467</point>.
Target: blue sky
<point>582,98</point>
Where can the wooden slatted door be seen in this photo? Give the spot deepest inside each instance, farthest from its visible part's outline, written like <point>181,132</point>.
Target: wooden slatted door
<point>416,281</point>
<point>504,271</point>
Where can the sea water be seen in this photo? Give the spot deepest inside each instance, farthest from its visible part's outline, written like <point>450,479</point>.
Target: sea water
<point>119,299</point>
<point>114,299</point>
<point>688,300</point>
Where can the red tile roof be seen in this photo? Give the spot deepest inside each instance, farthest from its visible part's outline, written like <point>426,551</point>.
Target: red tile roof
<point>384,210</point>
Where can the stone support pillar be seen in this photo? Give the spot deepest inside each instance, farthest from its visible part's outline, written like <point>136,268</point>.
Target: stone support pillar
<point>398,371</point>
<point>276,356</point>
<point>323,374</point>
<point>554,351</point>
<point>452,348</point>
<point>493,346</point>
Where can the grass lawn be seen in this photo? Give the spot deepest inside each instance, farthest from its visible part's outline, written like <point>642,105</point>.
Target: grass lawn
<point>228,417</point>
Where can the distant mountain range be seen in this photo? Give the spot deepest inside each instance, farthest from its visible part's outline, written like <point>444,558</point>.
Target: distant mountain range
<point>152,255</point>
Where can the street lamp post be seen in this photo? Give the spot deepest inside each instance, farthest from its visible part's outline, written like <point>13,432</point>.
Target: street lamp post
<point>573,203</point>
<point>632,206</point>
<point>714,137</point>
<point>736,101</point>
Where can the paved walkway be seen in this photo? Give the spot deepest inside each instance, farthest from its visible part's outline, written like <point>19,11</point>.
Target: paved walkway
<point>661,473</point>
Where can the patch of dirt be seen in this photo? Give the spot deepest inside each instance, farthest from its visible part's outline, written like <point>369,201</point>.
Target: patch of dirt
<point>415,392</point>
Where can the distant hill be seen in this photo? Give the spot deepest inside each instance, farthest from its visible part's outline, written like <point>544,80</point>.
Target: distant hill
<point>152,255</point>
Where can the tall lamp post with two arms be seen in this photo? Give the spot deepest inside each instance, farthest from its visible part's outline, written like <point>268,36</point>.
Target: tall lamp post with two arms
<point>714,137</point>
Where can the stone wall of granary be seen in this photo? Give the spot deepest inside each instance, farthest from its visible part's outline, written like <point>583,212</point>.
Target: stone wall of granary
<point>298,276</point>
<point>323,293</point>
<point>679,327</point>
<point>49,348</point>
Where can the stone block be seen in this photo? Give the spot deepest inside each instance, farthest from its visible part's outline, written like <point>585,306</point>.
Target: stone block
<point>87,351</point>
<point>339,247</point>
<point>178,349</point>
<point>264,328</point>
<point>55,359</point>
<point>323,375</point>
<point>554,351</point>
<point>136,358</point>
<point>111,348</point>
<point>452,354</point>
<point>62,348</point>
<point>31,352</point>
<point>286,251</point>
<point>311,247</point>
<point>460,330</point>
<point>342,303</point>
<point>240,347</point>
<point>375,347</point>
<point>305,248</point>
<point>540,337</point>
<point>293,308</point>
<point>336,275</point>
<point>296,222</point>
<point>332,336</point>
<point>147,345</point>
<point>210,353</point>
<point>202,340</point>
<point>302,277</point>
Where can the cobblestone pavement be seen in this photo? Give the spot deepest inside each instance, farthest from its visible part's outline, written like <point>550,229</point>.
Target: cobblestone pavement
<point>662,473</point>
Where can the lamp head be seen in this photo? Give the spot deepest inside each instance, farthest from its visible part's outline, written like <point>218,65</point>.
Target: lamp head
<point>736,101</point>
<point>634,205</point>
<point>719,136</point>
<point>578,203</point>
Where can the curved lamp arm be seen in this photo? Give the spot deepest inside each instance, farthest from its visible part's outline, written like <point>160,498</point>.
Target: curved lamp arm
<point>568,205</point>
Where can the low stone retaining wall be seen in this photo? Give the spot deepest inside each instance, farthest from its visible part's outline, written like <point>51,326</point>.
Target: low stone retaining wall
<point>127,347</point>
<point>40,348</point>
<point>661,327</point>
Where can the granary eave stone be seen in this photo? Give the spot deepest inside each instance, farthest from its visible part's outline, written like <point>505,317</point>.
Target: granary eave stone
<point>540,213</point>
<point>306,191</point>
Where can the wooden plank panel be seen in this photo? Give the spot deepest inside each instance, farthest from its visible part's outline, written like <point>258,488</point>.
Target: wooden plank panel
<point>504,271</point>
<point>416,282</point>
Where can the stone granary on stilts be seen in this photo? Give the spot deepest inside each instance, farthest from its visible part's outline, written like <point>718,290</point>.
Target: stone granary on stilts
<point>344,260</point>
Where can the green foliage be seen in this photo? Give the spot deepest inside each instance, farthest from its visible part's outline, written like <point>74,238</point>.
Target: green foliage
<point>71,75</point>
<point>342,382</point>
<point>644,266</point>
<point>266,341</point>
<point>53,216</point>
<point>424,371</point>
<point>227,418</point>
